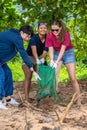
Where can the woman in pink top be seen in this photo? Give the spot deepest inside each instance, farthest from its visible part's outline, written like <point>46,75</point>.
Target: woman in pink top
<point>61,51</point>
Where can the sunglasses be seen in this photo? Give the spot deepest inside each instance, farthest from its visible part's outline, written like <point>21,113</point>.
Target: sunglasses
<point>56,30</point>
<point>42,23</point>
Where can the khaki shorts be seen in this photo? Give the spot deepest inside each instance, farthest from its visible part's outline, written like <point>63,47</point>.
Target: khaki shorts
<point>32,59</point>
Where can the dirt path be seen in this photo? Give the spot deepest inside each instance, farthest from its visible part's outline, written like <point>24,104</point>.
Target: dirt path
<point>45,114</point>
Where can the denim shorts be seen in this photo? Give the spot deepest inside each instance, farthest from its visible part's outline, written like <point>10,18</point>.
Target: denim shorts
<point>68,57</point>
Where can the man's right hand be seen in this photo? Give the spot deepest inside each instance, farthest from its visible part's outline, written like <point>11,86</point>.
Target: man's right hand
<point>36,75</point>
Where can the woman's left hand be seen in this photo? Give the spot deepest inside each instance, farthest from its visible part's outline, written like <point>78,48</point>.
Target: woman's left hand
<point>55,65</point>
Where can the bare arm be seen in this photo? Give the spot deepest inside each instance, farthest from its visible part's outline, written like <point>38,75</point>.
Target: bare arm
<point>51,51</point>
<point>44,54</point>
<point>34,51</point>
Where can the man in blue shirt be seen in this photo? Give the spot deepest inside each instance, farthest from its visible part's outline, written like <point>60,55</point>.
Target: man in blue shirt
<point>37,53</point>
<point>11,42</point>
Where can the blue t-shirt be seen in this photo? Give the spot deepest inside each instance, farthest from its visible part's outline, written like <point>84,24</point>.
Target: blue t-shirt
<point>35,41</point>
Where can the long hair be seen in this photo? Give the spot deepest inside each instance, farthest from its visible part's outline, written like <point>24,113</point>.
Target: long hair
<point>59,23</point>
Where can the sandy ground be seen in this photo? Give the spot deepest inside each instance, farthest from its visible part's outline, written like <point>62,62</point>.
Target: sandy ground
<point>46,114</point>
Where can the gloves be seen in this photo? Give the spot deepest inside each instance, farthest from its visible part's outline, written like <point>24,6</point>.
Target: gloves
<point>38,61</point>
<point>42,60</point>
<point>36,75</point>
<point>53,64</point>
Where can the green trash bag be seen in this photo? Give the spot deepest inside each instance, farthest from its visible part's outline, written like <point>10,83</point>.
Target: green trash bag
<point>47,84</point>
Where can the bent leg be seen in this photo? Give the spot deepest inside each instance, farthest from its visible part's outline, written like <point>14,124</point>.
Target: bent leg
<point>27,81</point>
<point>71,71</point>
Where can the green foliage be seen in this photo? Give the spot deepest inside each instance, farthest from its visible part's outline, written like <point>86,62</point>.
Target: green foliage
<point>63,77</point>
<point>81,72</point>
<point>72,12</point>
<point>9,16</point>
<point>18,75</point>
<point>16,68</point>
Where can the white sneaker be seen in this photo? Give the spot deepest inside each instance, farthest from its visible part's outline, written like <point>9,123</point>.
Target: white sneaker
<point>12,102</point>
<point>2,106</point>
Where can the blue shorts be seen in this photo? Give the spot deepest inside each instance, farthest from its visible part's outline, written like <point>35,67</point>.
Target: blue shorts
<point>68,57</point>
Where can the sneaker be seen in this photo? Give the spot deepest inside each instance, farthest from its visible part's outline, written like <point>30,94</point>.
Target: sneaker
<point>12,102</point>
<point>2,106</point>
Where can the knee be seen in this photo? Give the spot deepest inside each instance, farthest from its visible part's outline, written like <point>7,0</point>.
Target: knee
<point>27,72</point>
<point>73,80</point>
<point>28,77</point>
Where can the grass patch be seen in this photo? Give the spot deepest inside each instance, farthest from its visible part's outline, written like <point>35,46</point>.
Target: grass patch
<point>18,75</point>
